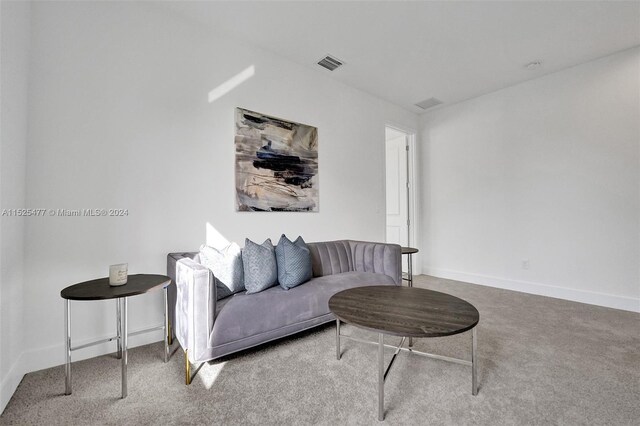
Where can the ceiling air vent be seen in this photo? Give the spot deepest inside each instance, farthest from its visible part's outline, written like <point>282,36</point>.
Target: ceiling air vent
<point>330,63</point>
<point>429,103</point>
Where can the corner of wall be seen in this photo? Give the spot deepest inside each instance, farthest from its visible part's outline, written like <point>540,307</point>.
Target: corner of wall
<point>15,40</point>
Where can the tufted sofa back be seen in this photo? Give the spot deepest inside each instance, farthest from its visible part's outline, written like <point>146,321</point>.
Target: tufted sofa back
<point>331,257</point>
<point>335,257</point>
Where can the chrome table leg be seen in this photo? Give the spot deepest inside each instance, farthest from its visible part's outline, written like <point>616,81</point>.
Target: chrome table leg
<point>338,339</point>
<point>166,324</point>
<point>380,376</point>
<point>67,340</point>
<point>474,362</point>
<point>410,271</point>
<point>124,347</point>
<point>118,330</point>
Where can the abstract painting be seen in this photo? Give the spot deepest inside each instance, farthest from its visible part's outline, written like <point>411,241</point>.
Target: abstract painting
<point>276,164</point>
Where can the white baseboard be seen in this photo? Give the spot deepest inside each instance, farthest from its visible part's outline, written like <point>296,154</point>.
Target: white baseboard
<point>54,355</point>
<point>10,382</point>
<point>583,296</point>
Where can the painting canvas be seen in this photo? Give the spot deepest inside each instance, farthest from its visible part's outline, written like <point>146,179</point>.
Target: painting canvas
<point>276,164</point>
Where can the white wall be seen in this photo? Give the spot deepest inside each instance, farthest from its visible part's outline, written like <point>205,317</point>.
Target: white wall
<point>546,171</point>
<point>119,118</point>
<point>14,50</point>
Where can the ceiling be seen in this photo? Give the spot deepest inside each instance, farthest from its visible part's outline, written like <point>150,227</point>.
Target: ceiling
<point>406,52</point>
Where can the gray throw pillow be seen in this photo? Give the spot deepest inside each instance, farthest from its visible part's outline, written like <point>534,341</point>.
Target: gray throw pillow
<point>226,265</point>
<point>260,268</point>
<point>294,262</point>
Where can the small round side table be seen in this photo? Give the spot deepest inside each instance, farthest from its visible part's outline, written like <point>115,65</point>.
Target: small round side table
<point>409,251</point>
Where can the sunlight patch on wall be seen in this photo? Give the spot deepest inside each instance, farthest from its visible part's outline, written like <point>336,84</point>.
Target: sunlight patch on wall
<point>215,239</point>
<point>232,83</point>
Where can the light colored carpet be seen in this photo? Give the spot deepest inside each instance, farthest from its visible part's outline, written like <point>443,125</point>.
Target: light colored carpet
<point>541,361</point>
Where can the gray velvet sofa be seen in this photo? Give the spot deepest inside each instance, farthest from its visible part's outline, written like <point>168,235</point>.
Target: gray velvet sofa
<point>207,328</point>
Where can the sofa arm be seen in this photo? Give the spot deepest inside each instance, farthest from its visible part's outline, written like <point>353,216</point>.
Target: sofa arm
<point>195,307</point>
<point>172,260</point>
<point>380,258</point>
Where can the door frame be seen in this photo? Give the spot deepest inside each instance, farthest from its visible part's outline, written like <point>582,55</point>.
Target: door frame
<point>414,240</point>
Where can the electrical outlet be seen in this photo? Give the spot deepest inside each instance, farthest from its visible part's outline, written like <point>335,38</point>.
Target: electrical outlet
<point>525,263</point>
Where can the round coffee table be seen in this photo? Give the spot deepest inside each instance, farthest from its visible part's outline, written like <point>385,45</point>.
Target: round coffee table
<point>405,312</point>
<point>100,289</point>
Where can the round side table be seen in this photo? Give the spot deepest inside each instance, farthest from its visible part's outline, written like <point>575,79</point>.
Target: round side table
<point>409,251</point>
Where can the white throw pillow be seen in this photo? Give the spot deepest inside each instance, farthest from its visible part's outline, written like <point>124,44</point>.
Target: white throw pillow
<point>226,265</point>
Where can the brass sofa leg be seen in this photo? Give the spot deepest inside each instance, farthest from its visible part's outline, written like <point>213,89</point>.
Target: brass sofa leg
<point>187,367</point>
<point>170,334</point>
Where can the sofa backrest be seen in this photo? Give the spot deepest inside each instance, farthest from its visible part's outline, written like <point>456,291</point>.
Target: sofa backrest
<point>331,257</point>
<point>335,257</point>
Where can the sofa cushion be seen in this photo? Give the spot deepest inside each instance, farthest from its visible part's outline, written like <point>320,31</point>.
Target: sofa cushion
<point>260,268</point>
<point>275,307</point>
<point>226,265</point>
<point>294,262</point>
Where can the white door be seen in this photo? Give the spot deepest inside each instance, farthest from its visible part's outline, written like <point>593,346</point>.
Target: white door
<point>396,180</point>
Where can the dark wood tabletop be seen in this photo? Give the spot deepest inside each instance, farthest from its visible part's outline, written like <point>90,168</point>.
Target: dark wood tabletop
<point>409,250</point>
<point>101,290</point>
<point>404,311</point>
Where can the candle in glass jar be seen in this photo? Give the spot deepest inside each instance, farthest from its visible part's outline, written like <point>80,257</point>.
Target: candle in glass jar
<point>118,274</point>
